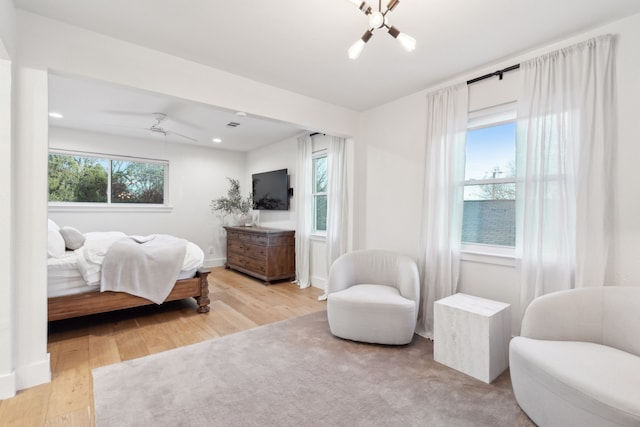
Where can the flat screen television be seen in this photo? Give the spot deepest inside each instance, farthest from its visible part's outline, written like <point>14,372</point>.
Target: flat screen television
<point>271,190</point>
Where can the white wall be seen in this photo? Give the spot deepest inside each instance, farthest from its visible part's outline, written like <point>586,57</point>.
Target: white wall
<point>391,156</point>
<point>29,228</point>
<point>7,375</point>
<point>280,155</point>
<point>196,176</point>
<point>7,29</point>
<point>7,44</point>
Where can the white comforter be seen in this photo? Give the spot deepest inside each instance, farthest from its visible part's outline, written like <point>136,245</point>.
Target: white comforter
<point>145,267</point>
<point>91,256</point>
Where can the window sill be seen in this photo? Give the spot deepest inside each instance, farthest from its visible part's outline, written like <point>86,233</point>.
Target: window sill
<point>109,208</point>
<point>489,255</point>
<point>318,236</point>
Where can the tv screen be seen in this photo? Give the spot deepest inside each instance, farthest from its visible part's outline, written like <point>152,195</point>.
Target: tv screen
<point>271,190</point>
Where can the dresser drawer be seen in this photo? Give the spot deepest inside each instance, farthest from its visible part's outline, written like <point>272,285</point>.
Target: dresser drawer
<point>235,259</point>
<point>256,251</point>
<point>247,249</point>
<point>260,240</point>
<point>255,265</point>
<point>235,246</point>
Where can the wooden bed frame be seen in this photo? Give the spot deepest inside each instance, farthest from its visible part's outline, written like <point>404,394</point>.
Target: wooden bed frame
<point>66,307</point>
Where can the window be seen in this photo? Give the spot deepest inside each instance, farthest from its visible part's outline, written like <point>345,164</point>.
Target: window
<point>490,178</point>
<point>320,192</point>
<point>79,178</point>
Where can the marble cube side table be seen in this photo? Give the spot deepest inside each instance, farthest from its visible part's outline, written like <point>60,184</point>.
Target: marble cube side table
<point>471,334</point>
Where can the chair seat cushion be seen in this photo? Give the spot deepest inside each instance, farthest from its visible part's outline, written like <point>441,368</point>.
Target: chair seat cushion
<point>372,313</point>
<point>575,383</point>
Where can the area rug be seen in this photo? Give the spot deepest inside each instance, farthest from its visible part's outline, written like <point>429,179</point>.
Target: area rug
<point>295,373</point>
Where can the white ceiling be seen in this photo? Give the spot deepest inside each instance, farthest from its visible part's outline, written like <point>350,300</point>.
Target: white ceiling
<point>301,45</point>
<point>107,108</point>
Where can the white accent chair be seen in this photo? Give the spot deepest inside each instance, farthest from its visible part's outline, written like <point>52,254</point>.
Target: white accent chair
<point>577,361</point>
<point>372,296</point>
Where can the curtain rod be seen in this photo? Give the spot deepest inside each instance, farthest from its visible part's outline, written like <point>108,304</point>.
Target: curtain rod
<point>498,73</point>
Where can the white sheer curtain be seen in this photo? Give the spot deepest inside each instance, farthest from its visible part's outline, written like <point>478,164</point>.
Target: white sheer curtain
<point>304,206</point>
<point>337,200</point>
<point>566,139</point>
<point>441,228</point>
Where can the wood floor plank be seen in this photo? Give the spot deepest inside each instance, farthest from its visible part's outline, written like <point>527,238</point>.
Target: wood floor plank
<point>71,386</point>
<point>76,346</point>
<point>28,408</point>
<point>80,418</point>
<point>130,344</point>
<point>103,350</point>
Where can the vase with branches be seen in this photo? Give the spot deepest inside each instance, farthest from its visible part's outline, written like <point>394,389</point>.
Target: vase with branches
<point>234,204</point>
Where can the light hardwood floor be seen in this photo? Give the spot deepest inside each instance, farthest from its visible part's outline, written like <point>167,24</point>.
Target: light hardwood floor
<point>78,345</point>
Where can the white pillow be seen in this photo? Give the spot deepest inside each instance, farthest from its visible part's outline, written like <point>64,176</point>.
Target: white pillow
<point>53,225</point>
<point>73,238</point>
<point>55,246</point>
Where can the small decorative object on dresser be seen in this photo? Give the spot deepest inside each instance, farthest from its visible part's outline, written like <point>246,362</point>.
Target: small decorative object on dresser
<point>234,206</point>
<point>264,253</point>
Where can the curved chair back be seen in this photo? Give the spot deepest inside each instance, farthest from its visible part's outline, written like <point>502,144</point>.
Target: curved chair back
<point>375,267</point>
<point>608,315</point>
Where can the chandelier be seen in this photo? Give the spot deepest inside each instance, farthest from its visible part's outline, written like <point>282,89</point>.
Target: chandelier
<point>378,19</point>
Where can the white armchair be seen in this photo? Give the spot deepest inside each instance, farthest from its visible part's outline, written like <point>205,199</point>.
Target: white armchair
<point>577,361</point>
<point>373,297</point>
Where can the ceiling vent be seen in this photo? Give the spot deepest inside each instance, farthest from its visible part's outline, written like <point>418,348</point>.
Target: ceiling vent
<point>233,124</point>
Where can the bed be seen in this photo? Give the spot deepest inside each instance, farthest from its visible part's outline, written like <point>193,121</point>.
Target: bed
<point>76,274</point>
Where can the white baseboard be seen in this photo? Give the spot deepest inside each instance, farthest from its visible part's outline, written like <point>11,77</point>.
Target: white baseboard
<point>214,262</point>
<point>7,385</point>
<point>34,374</point>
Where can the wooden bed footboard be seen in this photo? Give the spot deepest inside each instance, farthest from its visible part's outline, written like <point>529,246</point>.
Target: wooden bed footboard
<point>66,307</point>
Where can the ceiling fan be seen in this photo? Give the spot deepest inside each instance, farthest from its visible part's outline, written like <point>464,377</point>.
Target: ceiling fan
<point>157,128</point>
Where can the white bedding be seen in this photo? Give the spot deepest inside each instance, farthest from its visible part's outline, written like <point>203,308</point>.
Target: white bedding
<point>79,271</point>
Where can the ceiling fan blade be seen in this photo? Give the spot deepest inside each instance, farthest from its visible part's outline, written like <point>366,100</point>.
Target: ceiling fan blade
<point>181,135</point>
<point>124,126</point>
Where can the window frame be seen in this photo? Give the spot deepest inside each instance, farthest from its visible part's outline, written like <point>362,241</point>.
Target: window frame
<point>109,206</point>
<point>482,252</point>
<point>323,153</point>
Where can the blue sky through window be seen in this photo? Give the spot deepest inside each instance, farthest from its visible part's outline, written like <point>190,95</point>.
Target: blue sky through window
<point>491,148</point>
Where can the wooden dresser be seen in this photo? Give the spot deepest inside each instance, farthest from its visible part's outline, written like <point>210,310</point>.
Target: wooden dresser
<point>265,253</point>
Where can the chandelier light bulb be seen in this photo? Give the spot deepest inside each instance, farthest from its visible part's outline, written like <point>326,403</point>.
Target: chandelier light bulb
<point>407,42</point>
<point>362,5</point>
<point>356,49</point>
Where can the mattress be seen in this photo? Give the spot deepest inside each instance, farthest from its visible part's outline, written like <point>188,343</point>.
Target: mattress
<point>65,278</point>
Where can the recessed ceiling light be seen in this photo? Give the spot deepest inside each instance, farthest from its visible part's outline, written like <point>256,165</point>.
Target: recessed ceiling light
<point>241,114</point>
<point>217,140</point>
<point>55,115</point>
